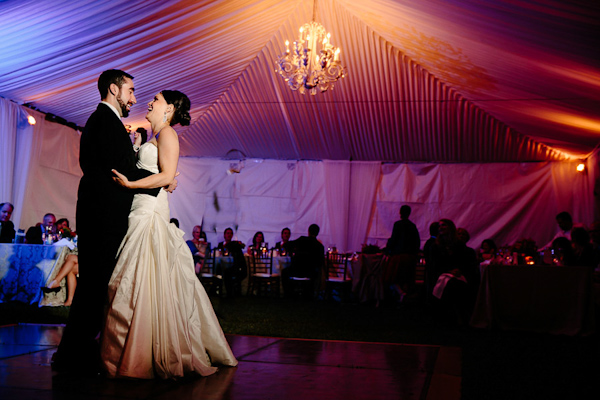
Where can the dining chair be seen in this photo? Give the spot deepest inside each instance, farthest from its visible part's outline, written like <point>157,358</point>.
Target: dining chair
<point>337,275</point>
<point>210,278</point>
<point>263,278</point>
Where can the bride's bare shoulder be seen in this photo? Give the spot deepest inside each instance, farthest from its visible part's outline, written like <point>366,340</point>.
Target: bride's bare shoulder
<point>166,133</point>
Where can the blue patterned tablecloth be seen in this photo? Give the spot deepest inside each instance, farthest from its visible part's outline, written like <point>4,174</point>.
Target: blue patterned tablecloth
<point>24,269</point>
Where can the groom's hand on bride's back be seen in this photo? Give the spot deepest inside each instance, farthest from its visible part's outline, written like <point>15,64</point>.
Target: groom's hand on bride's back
<point>173,185</point>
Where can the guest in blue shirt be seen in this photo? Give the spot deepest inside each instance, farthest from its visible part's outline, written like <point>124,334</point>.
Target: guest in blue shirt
<point>199,247</point>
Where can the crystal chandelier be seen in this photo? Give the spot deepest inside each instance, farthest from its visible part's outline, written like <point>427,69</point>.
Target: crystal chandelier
<point>314,64</point>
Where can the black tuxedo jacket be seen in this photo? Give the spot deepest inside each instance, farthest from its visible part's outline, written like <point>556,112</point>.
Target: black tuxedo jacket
<point>102,219</point>
<point>7,231</point>
<point>102,205</point>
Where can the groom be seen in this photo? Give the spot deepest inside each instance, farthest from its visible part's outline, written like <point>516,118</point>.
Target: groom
<point>102,213</point>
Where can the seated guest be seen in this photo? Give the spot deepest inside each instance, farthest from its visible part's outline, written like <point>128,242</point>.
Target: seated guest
<point>7,228</point>
<point>238,270</point>
<point>227,236</point>
<point>583,250</point>
<point>282,246</point>
<point>307,261</point>
<point>198,246</point>
<point>61,223</point>
<point>257,241</point>
<point>463,236</point>
<point>458,274</point>
<point>594,233</point>
<point>488,250</point>
<point>64,229</point>
<point>175,221</point>
<point>433,233</point>
<point>69,270</point>
<point>595,239</point>
<point>34,234</point>
<point>563,252</point>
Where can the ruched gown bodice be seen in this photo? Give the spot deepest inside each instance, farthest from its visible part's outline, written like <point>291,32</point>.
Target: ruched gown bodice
<point>160,322</point>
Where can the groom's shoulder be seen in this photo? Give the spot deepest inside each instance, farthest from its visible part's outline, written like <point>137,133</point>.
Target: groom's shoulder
<point>102,117</point>
<point>103,111</point>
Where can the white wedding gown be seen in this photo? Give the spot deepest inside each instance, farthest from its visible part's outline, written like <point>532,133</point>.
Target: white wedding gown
<point>160,322</point>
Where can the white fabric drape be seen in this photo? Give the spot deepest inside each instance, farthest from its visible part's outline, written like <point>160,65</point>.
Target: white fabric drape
<point>16,137</point>
<point>337,192</point>
<point>10,114</point>
<point>505,202</point>
<point>364,179</point>
<point>352,202</point>
<point>266,195</point>
<point>50,185</point>
<point>25,139</point>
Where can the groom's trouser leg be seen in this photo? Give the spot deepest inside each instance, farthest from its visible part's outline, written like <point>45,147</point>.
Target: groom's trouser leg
<point>96,262</point>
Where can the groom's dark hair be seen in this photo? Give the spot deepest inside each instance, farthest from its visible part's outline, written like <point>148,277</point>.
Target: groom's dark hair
<point>108,77</point>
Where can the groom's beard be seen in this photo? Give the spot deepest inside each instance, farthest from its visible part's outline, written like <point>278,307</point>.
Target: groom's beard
<point>123,106</point>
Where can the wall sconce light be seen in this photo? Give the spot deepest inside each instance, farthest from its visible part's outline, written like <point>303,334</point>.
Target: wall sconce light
<point>235,168</point>
<point>580,166</point>
<point>237,163</point>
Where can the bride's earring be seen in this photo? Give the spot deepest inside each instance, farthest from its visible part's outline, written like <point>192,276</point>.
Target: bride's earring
<point>165,117</point>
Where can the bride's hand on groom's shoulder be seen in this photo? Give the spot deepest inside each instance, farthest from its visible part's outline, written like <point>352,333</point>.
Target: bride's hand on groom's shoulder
<point>120,178</point>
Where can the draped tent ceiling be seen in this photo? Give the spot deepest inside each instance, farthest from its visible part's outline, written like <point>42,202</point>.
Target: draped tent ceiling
<point>427,80</point>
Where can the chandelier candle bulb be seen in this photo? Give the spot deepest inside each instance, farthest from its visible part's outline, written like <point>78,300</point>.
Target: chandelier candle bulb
<point>314,65</point>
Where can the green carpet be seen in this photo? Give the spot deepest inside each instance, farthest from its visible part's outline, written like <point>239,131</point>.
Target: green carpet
<point>293,318</point>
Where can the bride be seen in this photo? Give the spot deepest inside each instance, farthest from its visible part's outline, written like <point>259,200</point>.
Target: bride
<point>160,322</point>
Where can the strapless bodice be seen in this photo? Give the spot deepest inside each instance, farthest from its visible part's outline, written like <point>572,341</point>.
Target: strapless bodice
<point>148,157</point>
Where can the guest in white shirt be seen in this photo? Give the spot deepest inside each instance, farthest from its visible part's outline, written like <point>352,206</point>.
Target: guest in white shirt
<point>565,224</point>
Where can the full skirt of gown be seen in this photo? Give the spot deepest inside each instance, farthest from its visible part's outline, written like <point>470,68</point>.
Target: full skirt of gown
<point>160,321</point>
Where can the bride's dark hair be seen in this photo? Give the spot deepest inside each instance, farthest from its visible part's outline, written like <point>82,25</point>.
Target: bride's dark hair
<point>182,104</point>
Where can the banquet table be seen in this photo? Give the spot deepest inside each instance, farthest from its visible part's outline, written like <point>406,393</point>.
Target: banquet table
<point>24,269</point>
<point>536,298</point>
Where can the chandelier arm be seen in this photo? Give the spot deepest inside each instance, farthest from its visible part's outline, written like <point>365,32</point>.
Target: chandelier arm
<point>313,64</point>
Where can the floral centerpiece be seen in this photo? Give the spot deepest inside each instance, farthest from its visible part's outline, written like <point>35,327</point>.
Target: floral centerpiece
<point>66,233</point>
<point>526,250</point>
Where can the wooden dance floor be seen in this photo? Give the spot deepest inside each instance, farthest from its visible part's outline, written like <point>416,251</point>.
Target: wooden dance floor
<point>269,368</point>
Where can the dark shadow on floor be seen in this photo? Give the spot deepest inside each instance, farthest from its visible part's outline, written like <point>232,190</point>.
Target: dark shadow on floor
<point>519,365</point>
